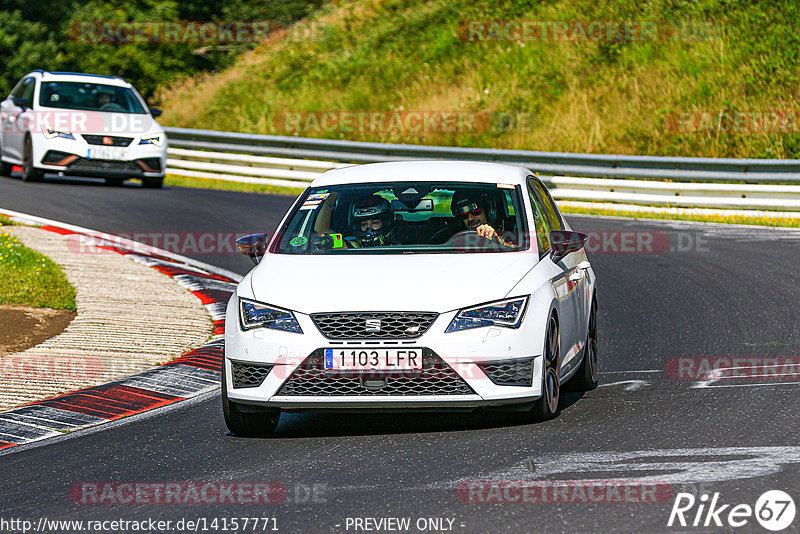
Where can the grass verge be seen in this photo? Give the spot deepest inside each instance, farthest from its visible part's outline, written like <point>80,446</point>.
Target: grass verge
<point>711,218</point>
<point>30,278</point>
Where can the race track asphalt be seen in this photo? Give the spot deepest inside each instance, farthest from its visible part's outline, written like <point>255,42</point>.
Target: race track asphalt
<point>708,291</point>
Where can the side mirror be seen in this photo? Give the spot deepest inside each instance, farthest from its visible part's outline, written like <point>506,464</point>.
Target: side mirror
<point>23,103</point>
<point>565,242</point>
<point>253,246</point>
<point>156,112</point>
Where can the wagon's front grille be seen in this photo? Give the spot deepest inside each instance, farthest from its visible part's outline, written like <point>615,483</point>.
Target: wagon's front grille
<point>246,375</point>
<point>373,325</point>
<point>105,165</point>
<point>509,372</point>
<point>435,378</point>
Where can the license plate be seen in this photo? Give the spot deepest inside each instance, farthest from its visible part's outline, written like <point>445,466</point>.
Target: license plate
<point>106,152</point>
<point>373,359</point>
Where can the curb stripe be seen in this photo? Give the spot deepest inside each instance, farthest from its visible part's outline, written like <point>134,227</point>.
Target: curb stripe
<point>192,373</point>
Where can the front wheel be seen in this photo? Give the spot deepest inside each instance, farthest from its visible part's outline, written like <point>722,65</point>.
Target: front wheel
<point>29,172</point>
<point>152,183</point>
<point>585,378</point>
<point>547,406</point>
<point>247,423</point>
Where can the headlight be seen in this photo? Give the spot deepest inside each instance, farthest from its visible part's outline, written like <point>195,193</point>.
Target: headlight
<point>49,133</point>
<point>257,315</point>
<point>152,140</point>
<point>507,313</point>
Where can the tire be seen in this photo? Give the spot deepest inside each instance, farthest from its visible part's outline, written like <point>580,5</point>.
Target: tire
<point>29,172</point>
<point>152,183</point>
<point>547,406</point>
<point>585,378</point>
<point>260,423</point>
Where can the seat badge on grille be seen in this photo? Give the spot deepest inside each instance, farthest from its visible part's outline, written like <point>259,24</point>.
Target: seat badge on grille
<point>372,326</point>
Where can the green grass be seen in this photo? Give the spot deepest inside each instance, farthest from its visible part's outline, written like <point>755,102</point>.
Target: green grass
<point>203,183</point>
<point>726,219</point>
<point>618,97</point>
<point>5,221</point>
<point>30,278</point>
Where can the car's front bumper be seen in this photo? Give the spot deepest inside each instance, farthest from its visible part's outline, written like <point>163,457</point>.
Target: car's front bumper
<point>73,158</point>
<point>461,351</point>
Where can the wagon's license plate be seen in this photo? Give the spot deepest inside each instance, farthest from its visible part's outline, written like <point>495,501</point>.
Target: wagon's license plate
<point>374,359</point>
<point>106,152</point>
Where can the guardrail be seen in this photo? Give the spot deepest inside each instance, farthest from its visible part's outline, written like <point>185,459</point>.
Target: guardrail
<point>646,180</point>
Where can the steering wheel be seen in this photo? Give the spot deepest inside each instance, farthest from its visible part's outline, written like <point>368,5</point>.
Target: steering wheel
<point>440,233</point>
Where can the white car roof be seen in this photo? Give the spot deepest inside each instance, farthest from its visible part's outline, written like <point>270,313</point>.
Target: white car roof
<point>80,77</point>
<point>440,171</point>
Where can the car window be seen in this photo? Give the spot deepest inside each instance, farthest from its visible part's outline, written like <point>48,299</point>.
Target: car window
<point>89,97</point>
<point>549,205</point>
<point>406,217</point>
<point>541,224</point>
<point>20,87</point>
<point>28,90</point>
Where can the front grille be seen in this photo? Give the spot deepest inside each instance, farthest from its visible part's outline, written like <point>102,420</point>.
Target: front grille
<point>247,375</point>
<point>393,325</point>
<point>435,378</point>
<point>509,372</point>
<point>115,141</point>
<point>105,165</point>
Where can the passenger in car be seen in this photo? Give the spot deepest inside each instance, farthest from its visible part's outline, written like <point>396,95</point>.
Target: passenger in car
<point>477,212</point>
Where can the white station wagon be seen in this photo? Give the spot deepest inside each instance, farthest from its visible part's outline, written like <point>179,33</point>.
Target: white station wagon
<point>411,286</point>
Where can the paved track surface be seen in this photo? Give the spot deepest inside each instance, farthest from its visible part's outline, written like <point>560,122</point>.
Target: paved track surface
<point>714,292</point>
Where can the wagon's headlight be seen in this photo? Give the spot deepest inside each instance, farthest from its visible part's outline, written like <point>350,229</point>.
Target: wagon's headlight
<point>507,313</point>
<point>257,315</point>
<point>156,140</point>
<point>50,133</point>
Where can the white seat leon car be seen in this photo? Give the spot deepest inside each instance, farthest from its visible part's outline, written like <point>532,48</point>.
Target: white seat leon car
<point>411,286</point>
<point>81,124</point>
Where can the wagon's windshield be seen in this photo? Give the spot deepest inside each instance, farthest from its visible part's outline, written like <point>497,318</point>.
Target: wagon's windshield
<point>406,217</point>
<point>89,97</point>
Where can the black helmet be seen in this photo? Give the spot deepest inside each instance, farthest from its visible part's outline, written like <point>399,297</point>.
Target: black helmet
<point>465,201</point>
<point>371,207</point>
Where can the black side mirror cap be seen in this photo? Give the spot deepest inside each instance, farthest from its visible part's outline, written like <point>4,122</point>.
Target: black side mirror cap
<point>254,246</point>
<point>156,112</point>
<point>23,103</point>
<point>565,242</point>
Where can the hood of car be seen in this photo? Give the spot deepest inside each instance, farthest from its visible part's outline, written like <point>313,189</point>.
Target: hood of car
<point>411,282</point>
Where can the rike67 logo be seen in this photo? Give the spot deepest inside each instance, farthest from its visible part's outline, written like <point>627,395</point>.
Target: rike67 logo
<point>774,510</point>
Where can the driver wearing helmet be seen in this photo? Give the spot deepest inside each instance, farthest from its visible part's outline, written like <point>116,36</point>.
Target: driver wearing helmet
<point>371,222</point>
<point>477,212</point>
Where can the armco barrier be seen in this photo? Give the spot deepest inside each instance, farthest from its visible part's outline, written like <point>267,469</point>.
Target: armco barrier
<point>646,180</point>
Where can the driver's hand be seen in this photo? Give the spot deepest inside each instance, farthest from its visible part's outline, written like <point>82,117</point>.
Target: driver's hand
<point>486,231</point>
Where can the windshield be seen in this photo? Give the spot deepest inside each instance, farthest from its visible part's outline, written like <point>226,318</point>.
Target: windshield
<point>89,97</point>
<point>406,217</point>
